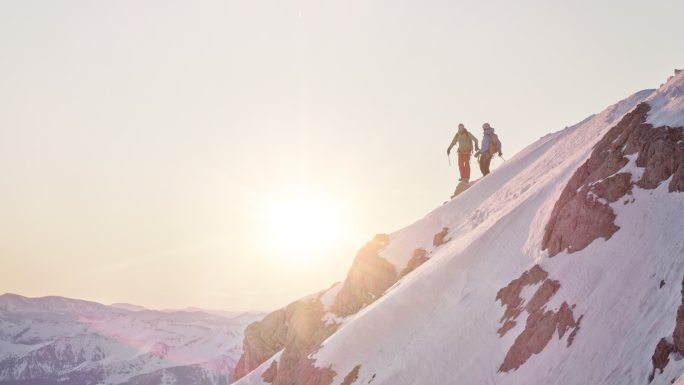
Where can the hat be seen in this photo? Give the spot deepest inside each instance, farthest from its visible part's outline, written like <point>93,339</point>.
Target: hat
<point>460,125</point>
<point>486,125</point>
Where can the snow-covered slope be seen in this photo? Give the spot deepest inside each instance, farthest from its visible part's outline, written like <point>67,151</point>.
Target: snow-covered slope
<point>60,340</point>
<point>563,266</point>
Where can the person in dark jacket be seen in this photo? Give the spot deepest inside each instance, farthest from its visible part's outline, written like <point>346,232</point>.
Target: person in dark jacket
<point>465,142</point>
<point>490,146</point>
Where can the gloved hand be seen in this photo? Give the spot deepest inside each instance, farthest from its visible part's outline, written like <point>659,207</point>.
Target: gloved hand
<point>500,154</point>
<point>477,154</point>
<point>448,151</point>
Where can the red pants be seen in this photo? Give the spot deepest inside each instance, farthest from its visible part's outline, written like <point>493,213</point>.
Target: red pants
<point>464,164</point>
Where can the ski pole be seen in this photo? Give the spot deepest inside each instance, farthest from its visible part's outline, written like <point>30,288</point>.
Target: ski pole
<point>502,158</point>
<point>448,157</point>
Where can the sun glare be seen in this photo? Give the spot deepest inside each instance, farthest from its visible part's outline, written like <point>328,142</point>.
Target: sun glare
<point>301,225</point>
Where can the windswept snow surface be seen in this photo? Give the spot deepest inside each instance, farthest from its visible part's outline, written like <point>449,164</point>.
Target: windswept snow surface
<point>668,103</point>
<point>438,324</point>
<point>496,229</point>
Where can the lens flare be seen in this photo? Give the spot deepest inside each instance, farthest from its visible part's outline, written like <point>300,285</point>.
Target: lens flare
<point>303,224</point>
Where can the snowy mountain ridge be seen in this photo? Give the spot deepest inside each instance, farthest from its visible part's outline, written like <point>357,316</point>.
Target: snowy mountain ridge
<point>53,340</point>
<point>563,266</point>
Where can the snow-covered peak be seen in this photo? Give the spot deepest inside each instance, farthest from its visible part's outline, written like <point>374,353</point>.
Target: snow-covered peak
<point>563,266</point>
<point>667,104</point>
<point>194,309</point>
<point>577,141</point>
<point>53,304</point>
<point>128,306</point>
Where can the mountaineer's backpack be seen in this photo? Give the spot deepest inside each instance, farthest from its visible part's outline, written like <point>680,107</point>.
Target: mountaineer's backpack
<point>494,144</point>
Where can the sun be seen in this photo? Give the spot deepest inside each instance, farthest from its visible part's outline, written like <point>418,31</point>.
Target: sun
<point>303,224</point>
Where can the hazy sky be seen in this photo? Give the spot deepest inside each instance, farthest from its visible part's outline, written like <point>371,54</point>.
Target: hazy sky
<point>141,142</point>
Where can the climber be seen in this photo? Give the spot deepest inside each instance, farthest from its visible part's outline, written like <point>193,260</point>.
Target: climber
<point>465,149</point>
<point>490,145</point>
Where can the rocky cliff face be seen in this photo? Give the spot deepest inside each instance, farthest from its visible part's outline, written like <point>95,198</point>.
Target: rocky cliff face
<point>263,339</point>
<point>583,213</point>
<point>300,328</point>
<point>305,330</point>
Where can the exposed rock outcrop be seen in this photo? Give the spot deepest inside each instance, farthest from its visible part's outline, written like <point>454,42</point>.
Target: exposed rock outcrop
<point>510,296</point>
<point>461,187</point>
<point>667,346</point>
<point>583,213</point>
<point>541,323</point>
<point>270,374</point>
<point>419,257</point>
<point>661,357</point>
<point>678,334</point>
<point>306,332</point>
<point>440,238</point>
<point>299,329</point>
<point>368,278</point>
<point>352,376</point>
<point>262,340</point>
<point>539,329</point>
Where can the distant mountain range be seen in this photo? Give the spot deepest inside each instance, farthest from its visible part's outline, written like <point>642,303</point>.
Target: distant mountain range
<point>57,340</point>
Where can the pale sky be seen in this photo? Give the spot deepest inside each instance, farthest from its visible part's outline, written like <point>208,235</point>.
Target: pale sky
<point>143,144</point>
